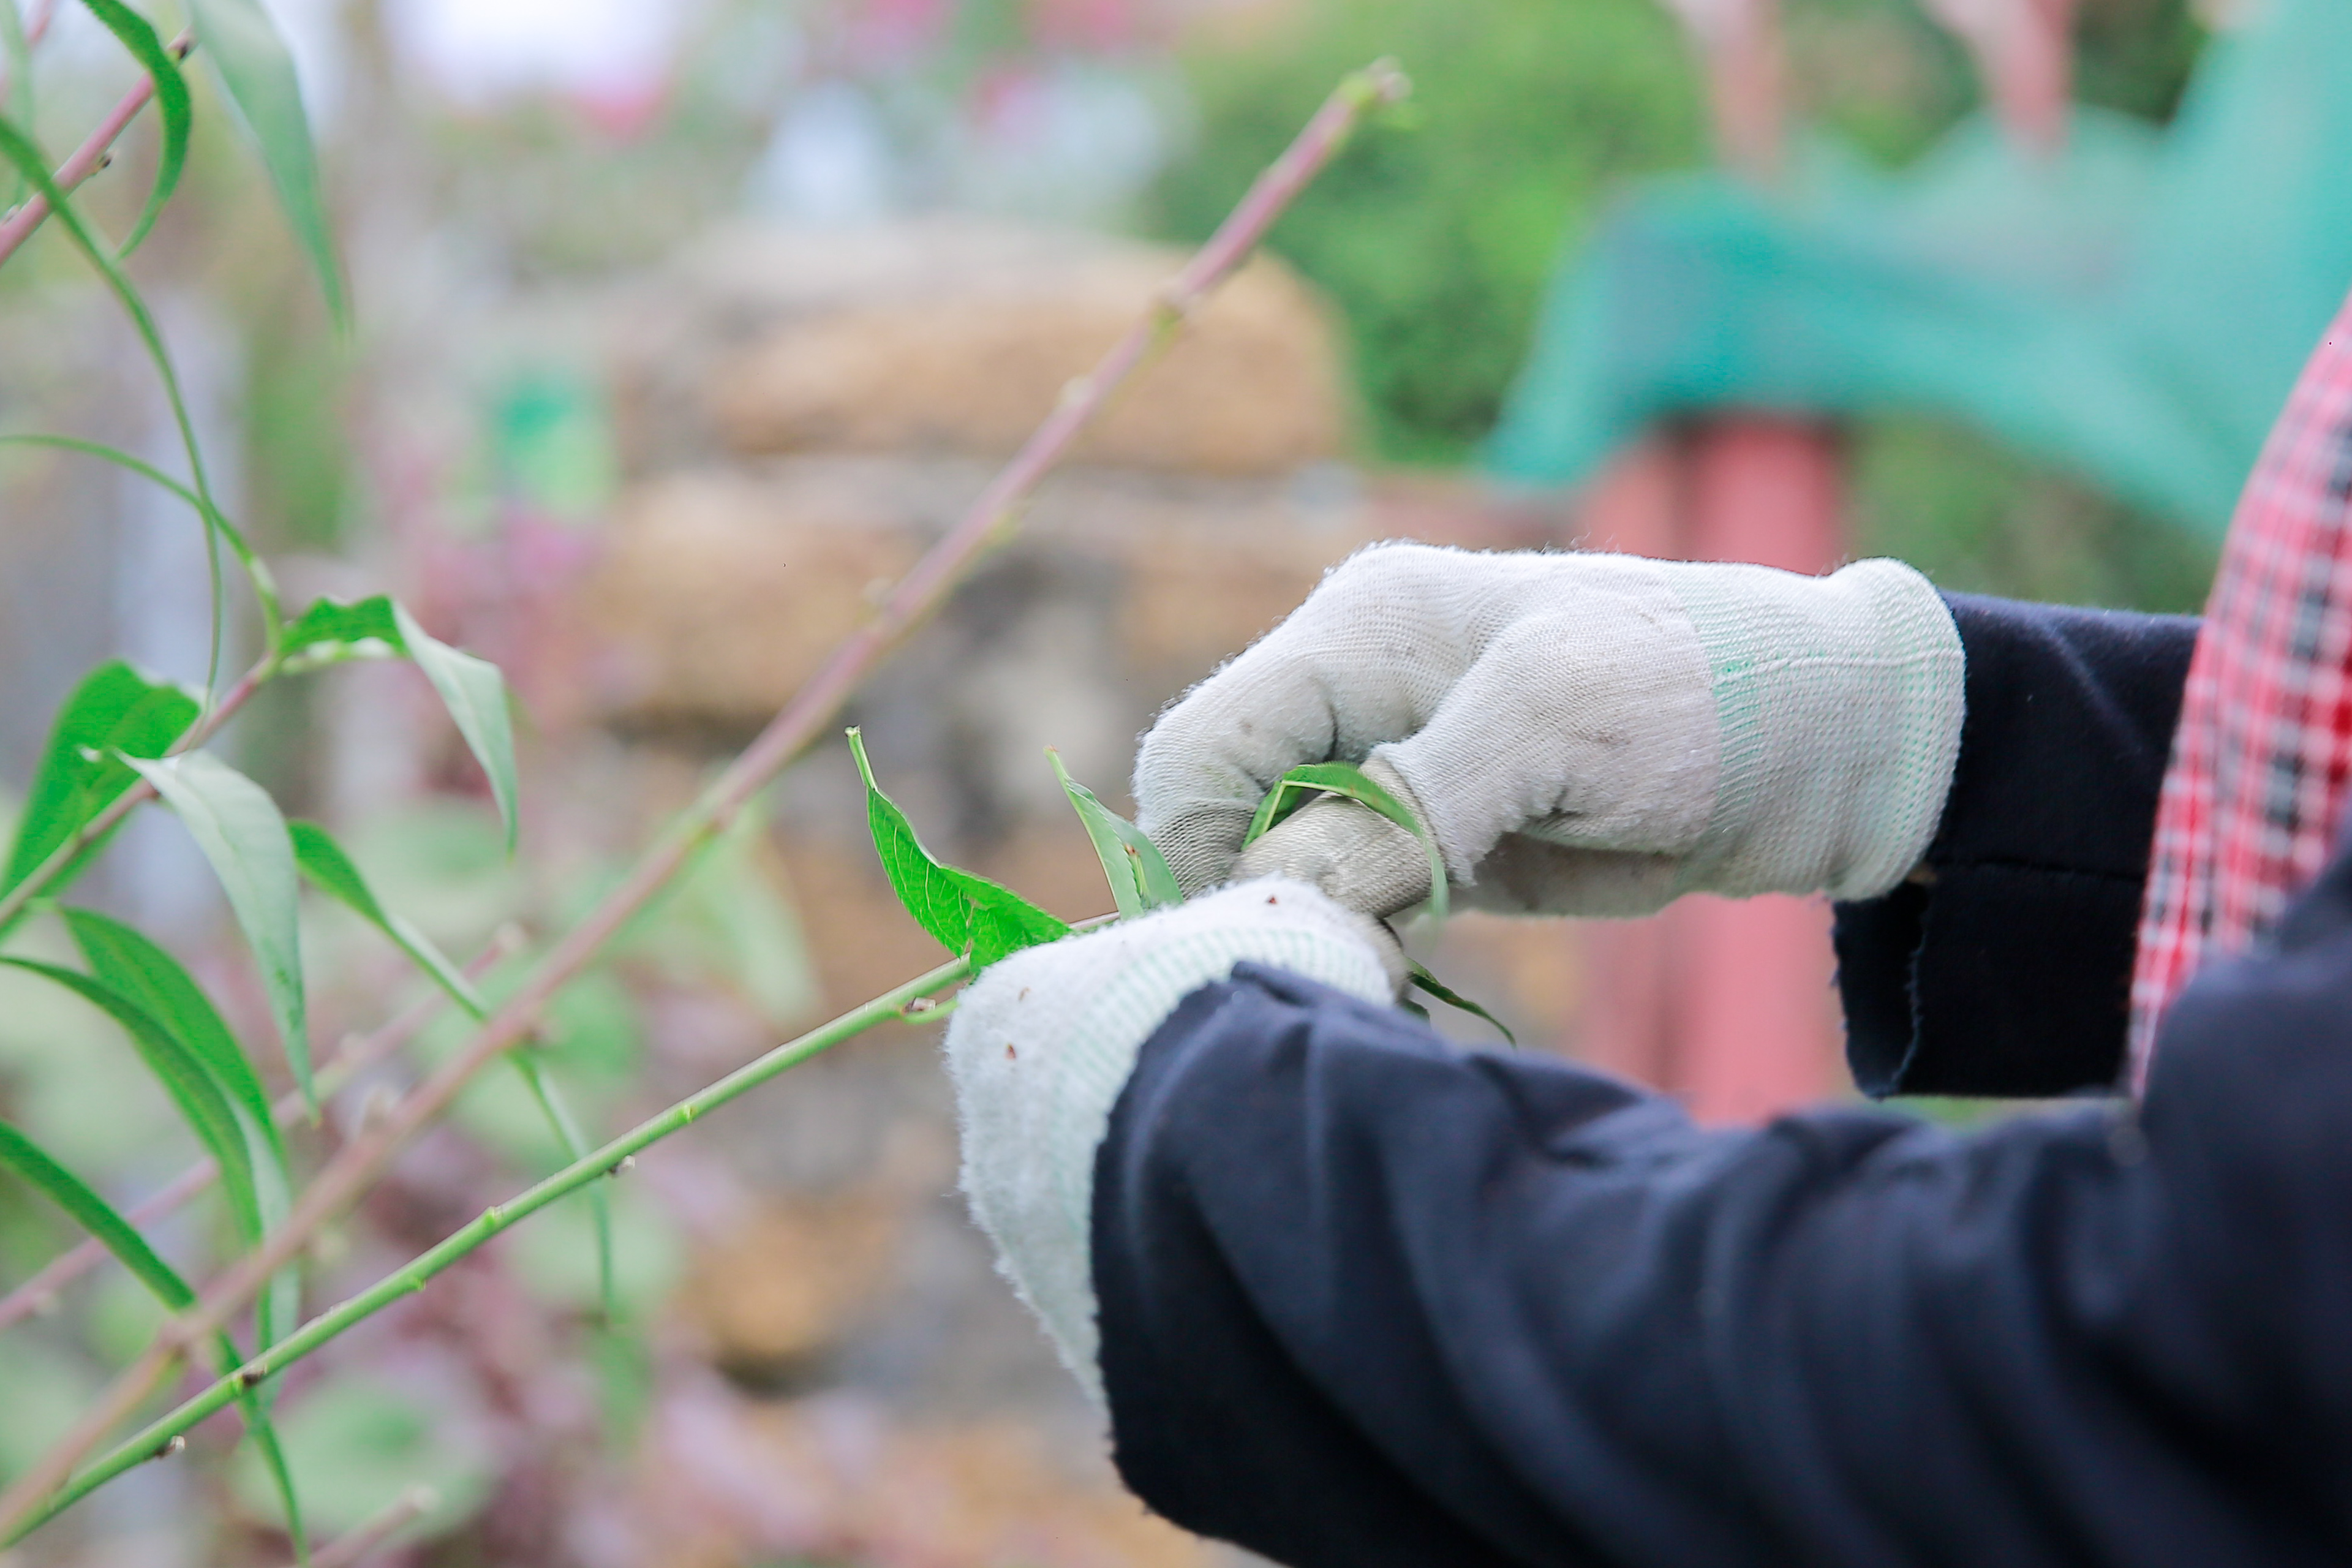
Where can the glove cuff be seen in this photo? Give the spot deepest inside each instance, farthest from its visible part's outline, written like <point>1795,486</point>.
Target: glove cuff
<point>1838,704</point>
<point>1041,1045</point>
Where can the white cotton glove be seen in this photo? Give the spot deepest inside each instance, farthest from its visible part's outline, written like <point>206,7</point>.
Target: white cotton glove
<point>1041,1043</point>
<point>1581,733</point>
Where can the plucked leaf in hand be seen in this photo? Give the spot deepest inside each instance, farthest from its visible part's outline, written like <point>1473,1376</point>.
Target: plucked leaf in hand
<point>114,710</point>
<point>237,826</point>
<point>1301,785</point>
<point>1140,878</point>
<point>1424,979</point>
<point>256,66</point>
<point>966,913</point>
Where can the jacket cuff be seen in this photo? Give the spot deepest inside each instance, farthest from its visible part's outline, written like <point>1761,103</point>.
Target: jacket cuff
<point>1997,980</point>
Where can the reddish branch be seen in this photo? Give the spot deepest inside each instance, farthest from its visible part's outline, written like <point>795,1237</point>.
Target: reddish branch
<point>991,519</point>
<point>87,159</point>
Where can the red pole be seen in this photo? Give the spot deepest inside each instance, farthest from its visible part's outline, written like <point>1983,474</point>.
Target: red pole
<point>1725,1003</point>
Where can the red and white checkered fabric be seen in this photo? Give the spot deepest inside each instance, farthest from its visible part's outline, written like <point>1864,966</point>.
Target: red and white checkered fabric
<point>2256,789</point>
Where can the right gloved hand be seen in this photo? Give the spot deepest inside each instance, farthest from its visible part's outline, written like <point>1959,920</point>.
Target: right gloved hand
<point>1581,733</point>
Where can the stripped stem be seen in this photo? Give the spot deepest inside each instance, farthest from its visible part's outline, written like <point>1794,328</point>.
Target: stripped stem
<point>87,159</point>
<point>989,519</point>
<point>407,1281</point>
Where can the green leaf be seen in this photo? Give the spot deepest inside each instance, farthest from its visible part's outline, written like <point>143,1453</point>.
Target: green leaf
<point>203,1105</point>
<point>1140,878</point>
<point>172,99</point>
<point>239,827</point>
<point>20,149</point>
<point>475,695</point>
<point>16,56</point>
<point>575,1147</point>
<point>114,710</point>
<point>967,914</point>
<point>471,688</point>
<point>331,871</point>
<point>152,980</point>
<point>265,587</point>
<point>273,1459</point>
<point>259,72</point>
<point>96,1216</point>
<point>330,631</point>
<point>1425,981</point>
<point>1301,785</point>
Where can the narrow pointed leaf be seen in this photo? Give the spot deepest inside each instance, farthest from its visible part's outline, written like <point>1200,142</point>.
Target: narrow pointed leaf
<point>237,826</point>
<point>475,695</point>
<point>114,710</point>
<point>273,1459</point>
<point>331,871</point>
<point>96,1216</point>
<point>258,69</point>
<point>966,913</point>
<point>16,56</point>
<point>19,148</point>
<point>471,688</point>
<point>1301,785</point>
<point>1140,878</point>
<point>1424,979</point>
<point>171,102</point>
<point>202,1104</point>
<point>575,1147</point>
<point>155,982</point>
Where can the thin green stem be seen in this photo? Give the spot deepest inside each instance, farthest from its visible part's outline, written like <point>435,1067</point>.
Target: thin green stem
<point>322,1329</point>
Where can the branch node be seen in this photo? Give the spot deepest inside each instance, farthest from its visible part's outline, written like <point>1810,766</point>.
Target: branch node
<point>169,1446</point>
<point>621,1166</point>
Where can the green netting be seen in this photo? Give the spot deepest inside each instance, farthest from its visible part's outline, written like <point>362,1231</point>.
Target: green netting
<point>2134,310</point>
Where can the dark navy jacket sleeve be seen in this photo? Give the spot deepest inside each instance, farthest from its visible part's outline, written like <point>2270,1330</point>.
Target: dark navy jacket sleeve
<point>2007,970</point>
<point>1369,1301</point>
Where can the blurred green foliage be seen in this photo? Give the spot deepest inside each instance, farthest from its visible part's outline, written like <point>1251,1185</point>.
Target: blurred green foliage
<point>1977,517</point>
<point>1435,240</point>
<point>1436,243</point>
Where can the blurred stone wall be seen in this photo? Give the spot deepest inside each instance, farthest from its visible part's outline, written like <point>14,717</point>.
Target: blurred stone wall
<point>800,415</point>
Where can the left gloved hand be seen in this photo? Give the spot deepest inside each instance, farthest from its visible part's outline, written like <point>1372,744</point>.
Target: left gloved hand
<point>1041,1043</point>
<point>1581,733</point>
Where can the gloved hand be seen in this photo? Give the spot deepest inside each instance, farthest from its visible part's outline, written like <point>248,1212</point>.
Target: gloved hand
<point>1581,733</point>
<point>1041,1044</point>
